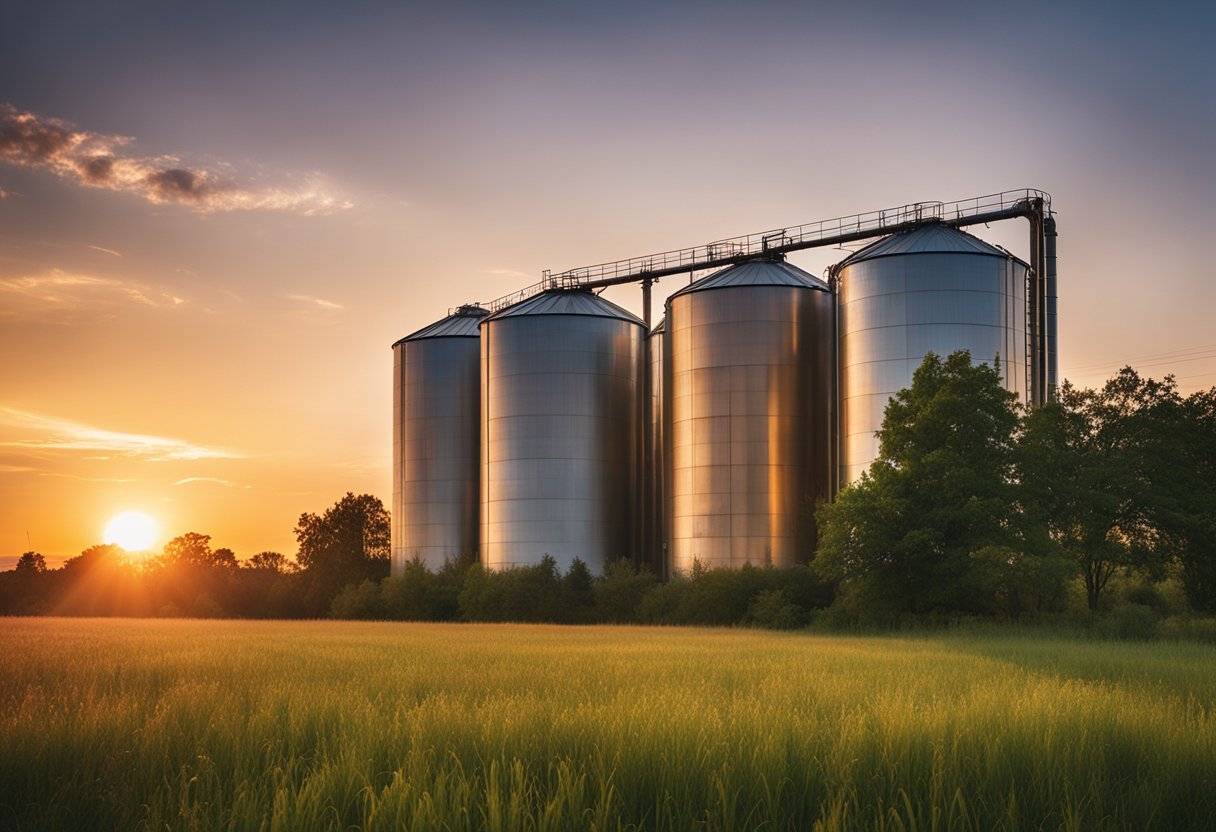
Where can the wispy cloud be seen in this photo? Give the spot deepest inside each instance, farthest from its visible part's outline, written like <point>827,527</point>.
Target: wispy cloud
<point>106,250</point>
<point>319,303</point>
<point>57,291</point>
<point>83,478</point>
<point>46,433</point>
<point>212,480</point>
<point>101,160</point>
<point>508,273</point>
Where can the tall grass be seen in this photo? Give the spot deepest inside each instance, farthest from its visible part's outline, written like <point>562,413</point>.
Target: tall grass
<point>123,724</point>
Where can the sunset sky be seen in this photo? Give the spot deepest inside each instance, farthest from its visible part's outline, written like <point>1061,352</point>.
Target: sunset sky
<point>216,218</point>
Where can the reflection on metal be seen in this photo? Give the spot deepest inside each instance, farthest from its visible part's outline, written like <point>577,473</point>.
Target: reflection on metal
<point>436,403</point>
<point>561,432</point>
<point>1049,256</point>
<point>657,349</point>
<point>747,419</point>
<point>931,289</point>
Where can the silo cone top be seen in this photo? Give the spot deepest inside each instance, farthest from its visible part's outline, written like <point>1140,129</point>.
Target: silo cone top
<point>566,302</point>
<point>755,273</point>
<point>462,323</point>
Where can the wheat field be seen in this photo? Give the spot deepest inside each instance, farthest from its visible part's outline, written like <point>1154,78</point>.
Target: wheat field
<point>211,725</point>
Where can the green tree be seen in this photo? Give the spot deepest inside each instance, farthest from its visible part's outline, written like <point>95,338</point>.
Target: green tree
<point>1183,496</point>
<point>1090,464</point>
<point>916,533</point>
<point>347,544</point>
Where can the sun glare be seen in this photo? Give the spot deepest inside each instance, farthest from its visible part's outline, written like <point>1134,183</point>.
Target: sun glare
<point>131,530</point>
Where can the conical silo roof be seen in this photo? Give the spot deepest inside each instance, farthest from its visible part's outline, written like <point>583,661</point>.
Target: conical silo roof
<point>462,323</point>
<point>660,327</point>
<point>567,302</point>
<point>934,238</point>
<point>756,273</point>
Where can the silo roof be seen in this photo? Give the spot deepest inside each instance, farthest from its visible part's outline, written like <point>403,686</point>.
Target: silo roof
<point>756,273</point>
<point>660,327</point>
<point>567,302</point>
<point>934,238</point>
<point>462,323</point>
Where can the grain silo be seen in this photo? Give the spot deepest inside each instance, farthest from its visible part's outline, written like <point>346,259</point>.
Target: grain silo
<point>561,426</point>
<point>657,462</point>
<point>748,418</point>
<point>436,405</point>
<point>933,288</point>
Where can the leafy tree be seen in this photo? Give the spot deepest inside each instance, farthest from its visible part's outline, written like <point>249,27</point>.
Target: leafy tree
<point>274,562</point>
<point>347,544</point>
<point>1089,462</point>
<point>101,580</point>
<point>31,563</point>
<point>916,533</point>
<point>189,549</point>
<point>1183,493</point>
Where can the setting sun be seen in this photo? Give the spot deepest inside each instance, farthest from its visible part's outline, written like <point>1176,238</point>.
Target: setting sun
<point>131,530</point>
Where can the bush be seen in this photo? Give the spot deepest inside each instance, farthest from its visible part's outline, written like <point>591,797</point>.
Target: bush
<point>619,594</point>
<point>1189,628</point>
<point>1129,622</point>
<point>773,610</point>
<point>362,601</point>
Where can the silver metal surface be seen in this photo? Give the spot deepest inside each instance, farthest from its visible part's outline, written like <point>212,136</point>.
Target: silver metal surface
<point>747,417</point>
<point>932,289</point>
<point>657,349</point>
<point>436,405</point>
<point>561,426</point>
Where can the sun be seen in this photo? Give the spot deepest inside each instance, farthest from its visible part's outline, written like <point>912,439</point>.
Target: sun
<point>131,530</point>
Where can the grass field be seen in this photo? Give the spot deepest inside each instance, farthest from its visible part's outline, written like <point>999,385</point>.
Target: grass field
<point>133,724</point>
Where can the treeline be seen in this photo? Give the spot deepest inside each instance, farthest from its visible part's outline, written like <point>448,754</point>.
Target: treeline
<point>464,591</point>
<point>347,544</point>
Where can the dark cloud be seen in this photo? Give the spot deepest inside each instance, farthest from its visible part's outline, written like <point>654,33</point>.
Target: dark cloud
<point>180,185</point>
<point>95,160</point>
<point>24,138</point>
<point>97,169</point>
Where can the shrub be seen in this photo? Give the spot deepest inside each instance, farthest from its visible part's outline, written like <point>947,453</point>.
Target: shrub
<point>1129,622</point>
<point>773,610</point>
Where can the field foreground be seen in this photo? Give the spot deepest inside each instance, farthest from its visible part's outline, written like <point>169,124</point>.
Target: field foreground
<point>128,724</point>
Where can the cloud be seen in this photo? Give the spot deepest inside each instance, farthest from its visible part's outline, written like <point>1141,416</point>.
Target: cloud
<point>215,480</point>
<point>46,433</point>
<point>106,250</point>
<point>60,292</point>
<point>320,303</point>
<point>98,160</point>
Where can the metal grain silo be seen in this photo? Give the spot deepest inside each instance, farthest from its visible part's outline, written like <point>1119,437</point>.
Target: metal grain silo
<point>561,425</point>
<point>934,288</point>
<point>748,419</point>
<point>436,405</point>
<point>657,462</point>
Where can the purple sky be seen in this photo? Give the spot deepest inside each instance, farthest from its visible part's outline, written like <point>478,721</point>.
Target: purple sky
<point>216,220</point>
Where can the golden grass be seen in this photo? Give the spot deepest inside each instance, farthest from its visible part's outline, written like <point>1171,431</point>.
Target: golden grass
<point>128,724</point>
